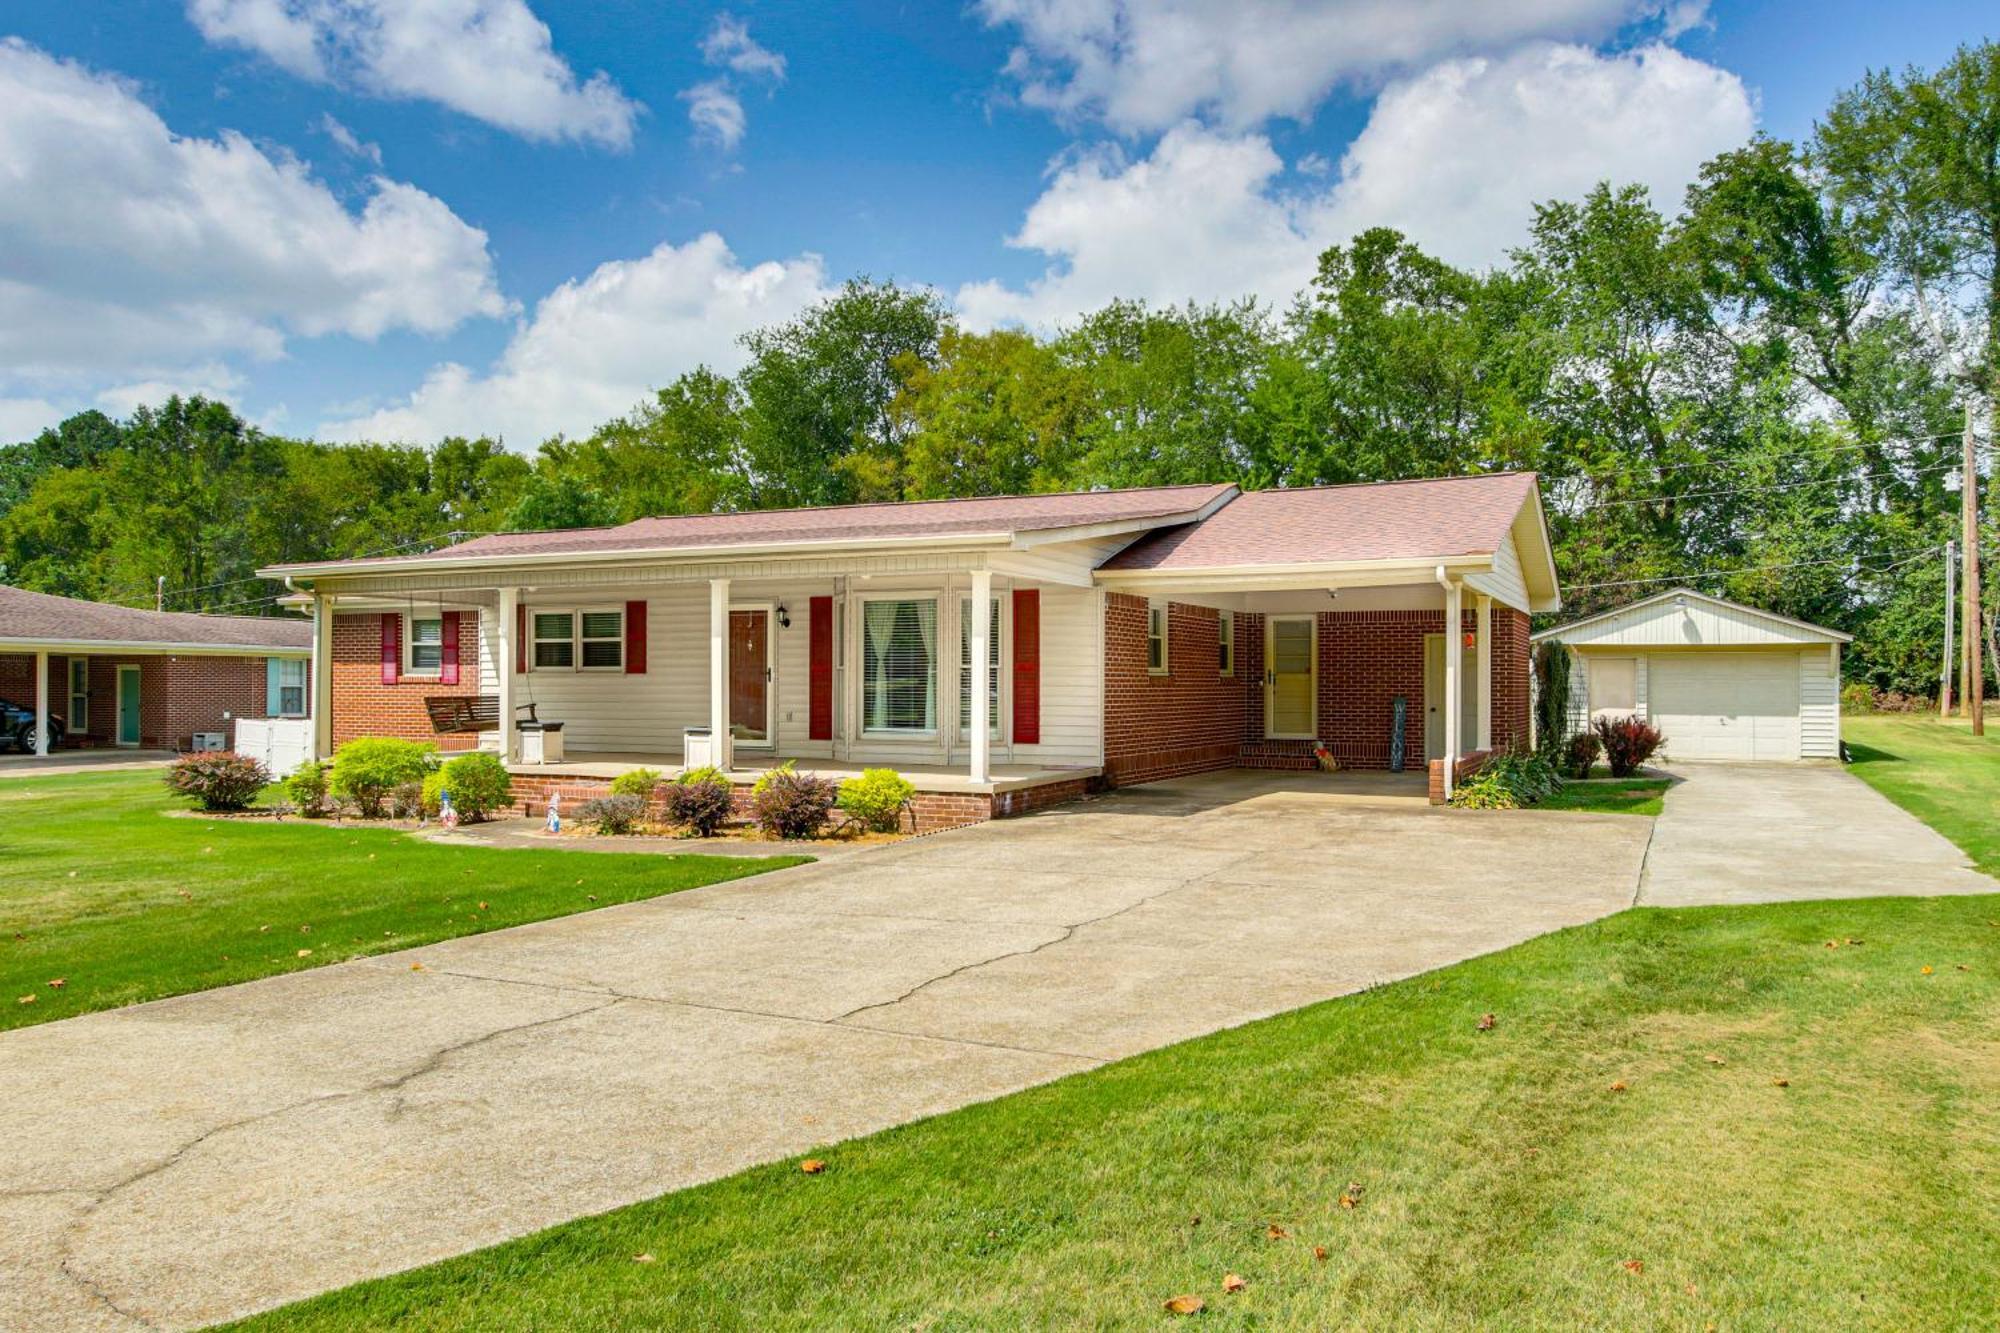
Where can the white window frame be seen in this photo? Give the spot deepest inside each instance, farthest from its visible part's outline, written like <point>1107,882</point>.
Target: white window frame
<point>1225,637</point>
<point>78,715</point>
<point>535,638</point>
<point>998,665</point>
<point>285,668</point>
<point>1157,626</point>
<point>410,667</point>
<point>936,598</point>
<point>582,639</point>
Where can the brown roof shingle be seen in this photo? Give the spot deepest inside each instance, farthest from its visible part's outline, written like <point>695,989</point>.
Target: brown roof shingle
<point>866,522</point>
<point>37,617</point>
<point>1391,520</point>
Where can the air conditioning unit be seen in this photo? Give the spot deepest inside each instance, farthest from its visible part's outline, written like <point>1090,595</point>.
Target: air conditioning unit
<point>210,740</point>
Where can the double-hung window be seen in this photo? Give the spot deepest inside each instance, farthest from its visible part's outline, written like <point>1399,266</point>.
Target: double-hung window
<point>899,666</point>
<point>1156,638</point>
<point>424,646</point>
<point>1225,643</point>
<point>586,640</point>
<point>291,687</point>
<point>965,667</point>
<point>79,696</point>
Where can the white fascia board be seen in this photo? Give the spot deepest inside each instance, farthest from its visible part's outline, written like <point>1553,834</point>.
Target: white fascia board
<point>102,647</point>
<point>535,560</point>
<point>1323,574</point>
<point>1826,635</point>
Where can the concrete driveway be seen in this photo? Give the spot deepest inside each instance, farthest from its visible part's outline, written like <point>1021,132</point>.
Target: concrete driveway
<point>1766,833</point>
<point>193,1159</point>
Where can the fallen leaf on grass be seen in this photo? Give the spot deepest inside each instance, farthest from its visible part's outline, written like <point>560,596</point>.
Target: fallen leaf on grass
<point>1233,1282</point>
<point>416,967</point>
<point>1635,1265</point>
<point>1319,1253</point>
<point>1486,1022</point>
<point>1927,970</point>
<point>642,1258</point>
<point>57,983</point>
<point>812,1166</point>
<point>1185,1305</point>
<point>1962,967</point>
<point>1781,1083</point>
<point>305,953</point>
<point>1713,1059</point>
<point>27,999</point>
<point>1276,1232</point>
<point>1833,944</point>
<point>1619,1086</point>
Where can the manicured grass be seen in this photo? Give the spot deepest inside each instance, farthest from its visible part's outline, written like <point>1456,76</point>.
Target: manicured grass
<point>101,889</point>
<point>1504,1178</point>
<point>1941,773</point>
<point>1618,796</point>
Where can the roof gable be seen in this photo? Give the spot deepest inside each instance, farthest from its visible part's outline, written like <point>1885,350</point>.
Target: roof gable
<point>1682,617</point>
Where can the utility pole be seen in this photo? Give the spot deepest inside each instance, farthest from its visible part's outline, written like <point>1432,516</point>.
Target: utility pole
<point>1975,676</point>
<point>159,592</point>
<point>1950,608</point>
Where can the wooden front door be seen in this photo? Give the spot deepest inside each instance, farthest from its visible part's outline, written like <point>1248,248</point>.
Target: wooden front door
<point>750,677</point>
<point>1291,677</point>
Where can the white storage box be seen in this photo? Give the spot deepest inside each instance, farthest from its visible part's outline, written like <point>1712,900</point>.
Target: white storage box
<point>542,745</point>
<point>697,748</point>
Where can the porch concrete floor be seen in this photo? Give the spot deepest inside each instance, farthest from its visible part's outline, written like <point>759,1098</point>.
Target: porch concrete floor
<point>176,1163</point>
<point>599,765</point>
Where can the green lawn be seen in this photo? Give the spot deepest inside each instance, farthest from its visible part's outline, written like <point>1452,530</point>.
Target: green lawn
<point>1618,796</point>
<point>1939,772</point>
<point>1504,1180</point>
<point>100,889</point>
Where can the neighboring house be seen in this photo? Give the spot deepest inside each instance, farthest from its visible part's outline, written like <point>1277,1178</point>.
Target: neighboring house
<point>115,676</point>
<point>1719,679</point>
<point>1122,636</point>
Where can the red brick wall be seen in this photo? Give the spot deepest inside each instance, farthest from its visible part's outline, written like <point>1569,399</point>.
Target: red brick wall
<point>364,706</point>
<point>1510,677</point>
<point>1189,720</point>
<point>1366,659</point>
<point>1250,674</point>
<point>178,696</point>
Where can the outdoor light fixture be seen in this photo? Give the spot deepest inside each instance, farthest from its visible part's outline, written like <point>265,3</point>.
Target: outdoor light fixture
<point>784,617</point>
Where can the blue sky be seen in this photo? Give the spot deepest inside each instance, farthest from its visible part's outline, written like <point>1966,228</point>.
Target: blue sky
<point>359,218</point>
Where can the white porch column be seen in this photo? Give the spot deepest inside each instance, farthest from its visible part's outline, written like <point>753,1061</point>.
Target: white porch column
<point>1484,685</point>
<point>321,683</point>
<point>1454,652</point>
<point>981,631</point>
<point>718,672</point>
<point>509,651</point>
<point>42,704</point>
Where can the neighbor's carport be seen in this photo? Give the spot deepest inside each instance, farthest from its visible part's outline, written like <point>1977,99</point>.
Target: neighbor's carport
<point>1719,679</point>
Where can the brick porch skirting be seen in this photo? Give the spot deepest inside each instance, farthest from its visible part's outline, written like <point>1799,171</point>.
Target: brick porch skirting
<point>1468,764</point>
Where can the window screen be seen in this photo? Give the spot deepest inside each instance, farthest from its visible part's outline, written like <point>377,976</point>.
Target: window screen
<point>1156,639</point>
<point>603,639</point>
<point>291,687</point>
<point>555,639</point>
<point>899,666</point>
<point>1225,644</point>
<point>965,667</point>
<point>426,643</point>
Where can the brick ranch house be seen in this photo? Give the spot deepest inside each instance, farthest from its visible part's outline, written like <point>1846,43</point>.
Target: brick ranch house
<point>1123,637</point>
<point>103,675</point>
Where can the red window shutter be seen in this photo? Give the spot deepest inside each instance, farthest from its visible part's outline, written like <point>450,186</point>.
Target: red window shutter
<point>635,638</point>
<point>448,649</point>
<point>1027,666</point>
<point>520,639</point>
<point>820,696</point>
<point>392,648</point>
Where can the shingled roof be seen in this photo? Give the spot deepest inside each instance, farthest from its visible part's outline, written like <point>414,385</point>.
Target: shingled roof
<point>997,515</point>
<point>36,618</point>
<point>1391,520</point>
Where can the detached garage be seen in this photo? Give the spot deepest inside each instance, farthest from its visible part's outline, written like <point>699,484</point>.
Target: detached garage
<point>1721,680</point>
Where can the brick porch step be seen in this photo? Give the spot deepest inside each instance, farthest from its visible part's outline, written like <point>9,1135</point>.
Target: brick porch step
<point>1295,756</point>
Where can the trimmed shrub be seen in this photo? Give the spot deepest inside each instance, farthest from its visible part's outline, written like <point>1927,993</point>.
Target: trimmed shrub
<point>770,775</point>
<point>877,798</point>
<point>1584,748</point>
<point>701,806</point>
<point>793,805</point>
<point>706,773</point>
<point>367,770</point>
<point>1628,743</point>
<point>612,814</point>
<point>307,790</point>
<point>218,780</point>
<point>1508,781</point>
<point>478,784</point>
<point>640,782</point>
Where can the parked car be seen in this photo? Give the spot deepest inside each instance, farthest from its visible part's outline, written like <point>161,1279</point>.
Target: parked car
<point>17,727</point>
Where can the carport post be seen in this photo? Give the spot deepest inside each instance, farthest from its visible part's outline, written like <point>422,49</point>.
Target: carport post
<point>320,677</point>
<point>1454,650</point>
<point>509,655</point>
<point>718,674</point>
<point>1484,685</point>
<point>981,630</point>
<point>42,704</point>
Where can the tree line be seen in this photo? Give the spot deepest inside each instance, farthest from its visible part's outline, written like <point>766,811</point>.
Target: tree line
<point>1761,394</point>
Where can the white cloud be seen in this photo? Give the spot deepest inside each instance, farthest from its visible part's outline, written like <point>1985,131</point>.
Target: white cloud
<point>716,113</point>
<point>493,60</point>
<point>729,45</point>
<point>346,140</point>
<point>128,251</point>
<point>24,418</point>
<point>714,108</point>
<point>596,347</point>
<point>1456,157</point>
<point>1145,65</point>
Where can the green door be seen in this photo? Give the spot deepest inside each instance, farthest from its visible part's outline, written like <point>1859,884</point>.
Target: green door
<point>128,705</point>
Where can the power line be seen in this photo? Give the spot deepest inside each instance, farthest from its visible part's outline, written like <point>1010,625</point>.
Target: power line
<point>1757,569</point>
<point>1776,486</point>
<point>1853,446</point>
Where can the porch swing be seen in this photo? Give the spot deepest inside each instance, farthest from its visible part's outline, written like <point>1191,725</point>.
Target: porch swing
<point>452,714</point>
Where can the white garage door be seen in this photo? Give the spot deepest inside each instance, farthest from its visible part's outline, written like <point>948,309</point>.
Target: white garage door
<point>1726,705</point>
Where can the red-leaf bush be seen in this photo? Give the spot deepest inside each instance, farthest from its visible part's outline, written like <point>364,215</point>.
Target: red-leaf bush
<point>1584,748</point>
<point>1628,743</point>
<point>218,780</point>
<point>701,806</point>
<point>793,805</point>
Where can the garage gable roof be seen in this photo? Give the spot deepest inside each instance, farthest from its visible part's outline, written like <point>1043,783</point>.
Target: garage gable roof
<point>1628,624</point>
